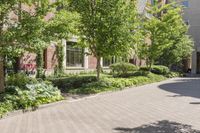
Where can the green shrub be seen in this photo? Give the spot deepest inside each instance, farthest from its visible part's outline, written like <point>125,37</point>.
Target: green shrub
<point>30,93</point>
<point>174,74</point>
<point>20,80</point>
<point>5,107</point>
<point>67,83</point>
<point>122,69</point>
<point>109,83</point>
<point>140,73</point>
<point>92,88</point>
<point>157,69</point>
<point>144,68</point>
<point>32,96</point>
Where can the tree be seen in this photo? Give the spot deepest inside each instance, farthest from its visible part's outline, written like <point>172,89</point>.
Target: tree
<point>106,26</point>
<point>21,30</point>
<point>180,50</point>
<point>165,29</point>
<point>5,9</point>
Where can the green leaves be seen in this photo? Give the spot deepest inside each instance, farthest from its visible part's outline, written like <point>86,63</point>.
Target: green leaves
<point>63,25</point>
<point>106,25</point>
<point>165,30</point>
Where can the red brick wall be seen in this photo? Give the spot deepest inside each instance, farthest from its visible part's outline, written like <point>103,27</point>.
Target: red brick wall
<point>50,57</point>
<point>50,60</point>
<point>28,61</point>
<point>92,61</point>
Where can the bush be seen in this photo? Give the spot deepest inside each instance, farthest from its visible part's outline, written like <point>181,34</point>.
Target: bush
<point>141,73</point>
<point>67,83</point>
<point>157,69</point>
<point>163,70</point>
<point>27,93</point>
<point>174,74</point>
<point>144,68</point>
<point>20,80</point>
<point>30,97</point>
<point>5,107</point>
<point>122,69</point>
<point>92,88</point>
<point>109,83</point>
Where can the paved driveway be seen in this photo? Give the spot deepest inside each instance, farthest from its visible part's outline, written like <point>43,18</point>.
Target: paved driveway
<point>171,106</point>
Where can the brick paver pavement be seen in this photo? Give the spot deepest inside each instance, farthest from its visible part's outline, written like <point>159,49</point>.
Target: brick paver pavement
<point>171,106</point>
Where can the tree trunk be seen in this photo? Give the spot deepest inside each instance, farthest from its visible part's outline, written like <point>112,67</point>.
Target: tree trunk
<point>150,64</point>
<point>2,78</point>
<point>98,67</point>
<point>16,65</point>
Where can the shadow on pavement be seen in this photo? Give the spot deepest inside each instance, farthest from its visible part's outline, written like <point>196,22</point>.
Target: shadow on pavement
<point>183,87</point>
<point>159,127</point>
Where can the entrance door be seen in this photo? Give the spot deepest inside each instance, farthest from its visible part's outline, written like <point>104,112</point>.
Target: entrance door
<point>198,62</point>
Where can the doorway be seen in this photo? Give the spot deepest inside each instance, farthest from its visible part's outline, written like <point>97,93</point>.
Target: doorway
<point>198,62</point>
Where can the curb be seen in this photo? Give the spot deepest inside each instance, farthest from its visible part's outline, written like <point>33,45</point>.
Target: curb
<point>18,112</point>
<point>65,101</point>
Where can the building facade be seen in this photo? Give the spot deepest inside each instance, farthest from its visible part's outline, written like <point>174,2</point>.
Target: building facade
<point>75,59</point>
<point>192,18</point>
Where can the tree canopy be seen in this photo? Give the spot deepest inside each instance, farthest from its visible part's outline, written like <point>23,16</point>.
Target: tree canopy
<point>166,29</point>
<point>106,26</point>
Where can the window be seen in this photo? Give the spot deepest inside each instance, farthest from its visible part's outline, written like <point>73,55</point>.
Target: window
<point>75,55</point>
<point>187,22</point>
<point>185,3</point>
<point>108,61</point>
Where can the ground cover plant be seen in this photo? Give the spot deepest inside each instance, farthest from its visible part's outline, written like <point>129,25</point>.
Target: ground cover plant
<point>23,92</point>
<point>122,75</point>
<point>109,83</point>
<point>88,84</point>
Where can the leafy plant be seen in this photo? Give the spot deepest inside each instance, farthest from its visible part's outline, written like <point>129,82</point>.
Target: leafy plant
<point>20,80</point>
<point>109,83</point>
<point>66,83</point>
<point>157,69</point>
<point>122,68</point>
<point>25,92</point>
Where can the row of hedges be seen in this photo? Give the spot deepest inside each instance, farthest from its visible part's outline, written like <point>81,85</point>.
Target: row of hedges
<point>76,81</point>
<point>23,92</point>
<point>122,75</point>
<point>110,83</point>
<point>123,69</point>
<point>91,86</point>
<point>157,69</point>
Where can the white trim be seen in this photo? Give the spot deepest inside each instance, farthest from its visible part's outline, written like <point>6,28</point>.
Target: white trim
<point>66,58</point>
<point>86,59</point>
<point>101,62</point>
<point>64,43</point>
<point>194,62</point>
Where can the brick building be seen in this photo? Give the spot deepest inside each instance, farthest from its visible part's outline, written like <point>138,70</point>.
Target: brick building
<point>192,18</point>
<point>75,59</point>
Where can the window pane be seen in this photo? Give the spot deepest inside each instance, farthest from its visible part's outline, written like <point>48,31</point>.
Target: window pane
<point>185,3</point>
<point>108,61</point>
<point>74,55</point>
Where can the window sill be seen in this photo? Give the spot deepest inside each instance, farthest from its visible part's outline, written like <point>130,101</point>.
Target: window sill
<point>106,67</point>
<point>75,68</point>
